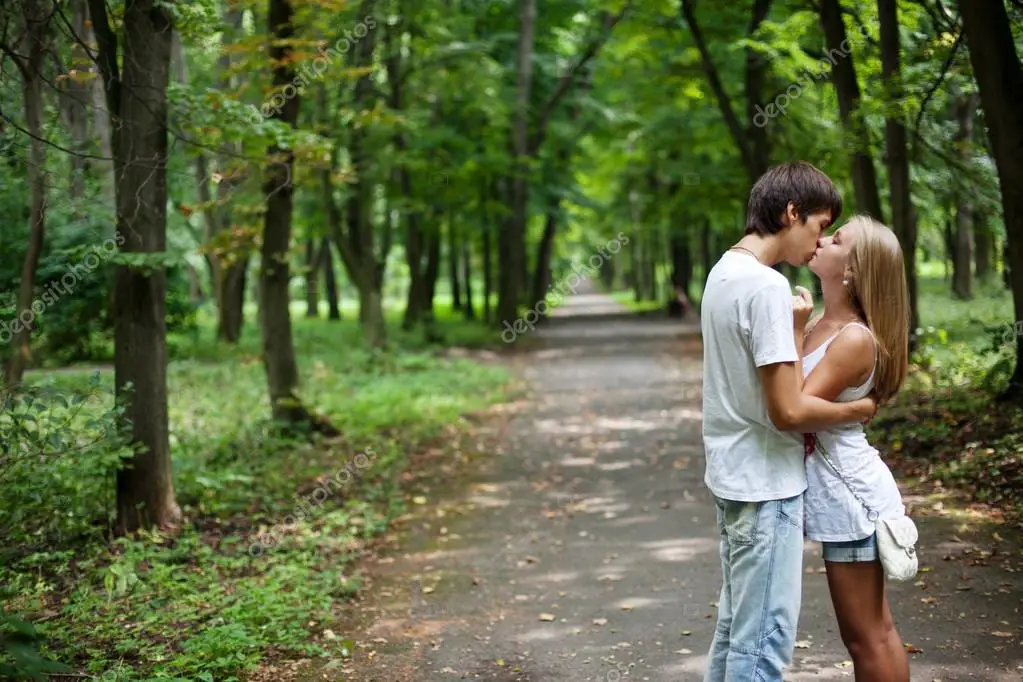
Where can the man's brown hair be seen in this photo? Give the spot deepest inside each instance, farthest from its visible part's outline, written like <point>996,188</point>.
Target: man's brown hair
<point>798,182</point>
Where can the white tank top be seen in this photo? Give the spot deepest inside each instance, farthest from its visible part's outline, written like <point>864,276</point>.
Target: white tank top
<point>832,513</point>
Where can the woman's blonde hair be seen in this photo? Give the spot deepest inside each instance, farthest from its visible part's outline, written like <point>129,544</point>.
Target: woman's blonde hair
<point>879,293</point>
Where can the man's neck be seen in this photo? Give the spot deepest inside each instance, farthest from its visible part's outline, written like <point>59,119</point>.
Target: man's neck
<point>767,249</point>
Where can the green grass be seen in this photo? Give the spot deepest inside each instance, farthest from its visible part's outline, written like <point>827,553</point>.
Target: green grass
<point>991,305</point>
<point>199,605</point>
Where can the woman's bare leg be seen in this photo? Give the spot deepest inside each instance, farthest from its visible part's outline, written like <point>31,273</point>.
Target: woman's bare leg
<point>900,659</point>
<point>865,621</point>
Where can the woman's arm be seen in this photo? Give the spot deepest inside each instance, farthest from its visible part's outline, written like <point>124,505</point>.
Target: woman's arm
<point>847,362</point>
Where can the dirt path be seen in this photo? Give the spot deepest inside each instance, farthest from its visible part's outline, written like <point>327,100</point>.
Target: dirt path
<point>585,547</point>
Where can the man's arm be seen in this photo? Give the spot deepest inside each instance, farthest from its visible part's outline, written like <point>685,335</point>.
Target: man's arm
<point>793,410</point>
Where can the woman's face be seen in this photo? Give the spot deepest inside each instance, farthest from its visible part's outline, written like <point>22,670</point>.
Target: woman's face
<point>831,257</point>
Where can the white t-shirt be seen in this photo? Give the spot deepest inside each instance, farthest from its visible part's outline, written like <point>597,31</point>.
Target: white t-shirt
<point>747,323</point>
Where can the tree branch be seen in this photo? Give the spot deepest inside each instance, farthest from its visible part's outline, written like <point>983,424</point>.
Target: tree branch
<point>934,88</point>
<point>566,82</point>
<point>734,126</point>
<point>106,57</point>
<point>56,146</point>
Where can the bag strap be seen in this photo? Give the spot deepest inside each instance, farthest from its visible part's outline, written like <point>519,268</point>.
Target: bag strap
<point>872,515</point>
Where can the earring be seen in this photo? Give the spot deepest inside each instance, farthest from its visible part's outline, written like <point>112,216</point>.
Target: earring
<point>845,282</point>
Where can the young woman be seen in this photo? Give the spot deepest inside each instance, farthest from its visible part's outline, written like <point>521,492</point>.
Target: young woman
<point>857,347</point>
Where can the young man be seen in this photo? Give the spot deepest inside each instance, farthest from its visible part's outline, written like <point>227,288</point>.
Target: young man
<point>751,398</point>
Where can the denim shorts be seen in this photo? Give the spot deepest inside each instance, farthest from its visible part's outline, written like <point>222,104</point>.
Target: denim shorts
<point>851,551</point>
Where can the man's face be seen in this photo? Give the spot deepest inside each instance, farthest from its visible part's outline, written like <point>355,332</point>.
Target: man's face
<point>804,236</point>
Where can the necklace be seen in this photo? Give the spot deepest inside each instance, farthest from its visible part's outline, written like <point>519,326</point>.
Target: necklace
<point>743,248</point>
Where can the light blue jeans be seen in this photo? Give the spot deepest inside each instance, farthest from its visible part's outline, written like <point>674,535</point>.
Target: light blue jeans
<point>762,565</point>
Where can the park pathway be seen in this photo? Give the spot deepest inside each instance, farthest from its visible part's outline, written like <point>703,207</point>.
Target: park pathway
<point>584,547</point>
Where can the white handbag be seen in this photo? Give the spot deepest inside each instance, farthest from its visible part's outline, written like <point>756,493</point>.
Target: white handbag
<point>896,544</point>
<point>896,537</point>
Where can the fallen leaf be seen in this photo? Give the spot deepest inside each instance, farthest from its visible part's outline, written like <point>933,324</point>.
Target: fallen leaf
<point>547,617</point>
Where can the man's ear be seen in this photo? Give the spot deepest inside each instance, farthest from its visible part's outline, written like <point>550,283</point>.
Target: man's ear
<point>791,214</point>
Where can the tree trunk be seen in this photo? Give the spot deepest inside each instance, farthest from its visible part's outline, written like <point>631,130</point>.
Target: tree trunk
<point>312,274</point>
<point>358,250</point>
<point>756,73</point>
<point>470,310</point>
<point>895,146</point>
<point>145,488</point>
<point>843,74</point>
<point>637,270</point>
<point>101,116</point>
<point>36,17</point>
<point>513,233</point>
<point>542,273</point>
<point>962,263</point>
<point>1006,268</point>
<point>330,280</point>
<point>274,271</point>
<point>982,246</point>
<point>999,75</point>
<point>430,277</point>
<point>453,276</point>
<point>75,100</point>
<point>228,263</point>
<point>706,253</point>
<point>432,273</point>
<point>962,256</point>
<point>371,316</point>
<point>414,253</point>
<point>681,263</point>
<point>950,249</point>
<point>231,315</point>
<point>488,269</point>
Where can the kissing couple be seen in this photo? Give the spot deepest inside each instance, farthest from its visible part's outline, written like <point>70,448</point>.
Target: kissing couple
<point>785,401</point>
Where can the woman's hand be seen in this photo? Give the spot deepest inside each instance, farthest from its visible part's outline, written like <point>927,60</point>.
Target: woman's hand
<point>802,307</point>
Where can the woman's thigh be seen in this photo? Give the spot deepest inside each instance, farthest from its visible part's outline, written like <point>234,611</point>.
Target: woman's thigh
<point>857,591</point>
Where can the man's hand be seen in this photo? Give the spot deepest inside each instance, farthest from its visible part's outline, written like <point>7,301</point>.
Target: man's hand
<point>867,407</point>
<point>802,306</point>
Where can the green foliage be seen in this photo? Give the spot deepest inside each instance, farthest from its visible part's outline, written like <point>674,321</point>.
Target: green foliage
<point>946,425</point>
<point>58,451</point>
<point>20,658</point>
<point>201,605</point>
